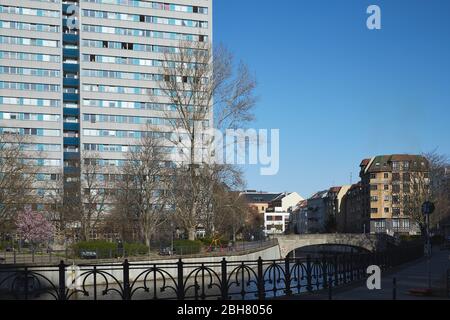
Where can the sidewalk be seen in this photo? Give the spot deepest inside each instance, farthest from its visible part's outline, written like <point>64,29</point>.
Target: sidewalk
<point>410,276</point>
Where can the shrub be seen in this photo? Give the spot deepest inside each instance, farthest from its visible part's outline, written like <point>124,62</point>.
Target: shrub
<point>187,246</point>
<point>437,239</point>
<point>409,238</point>
<point>102,249</point>
<point>135,249</point>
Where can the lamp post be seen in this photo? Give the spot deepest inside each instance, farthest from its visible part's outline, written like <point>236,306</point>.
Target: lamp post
<point>172,231</point>
<point>427,210</point>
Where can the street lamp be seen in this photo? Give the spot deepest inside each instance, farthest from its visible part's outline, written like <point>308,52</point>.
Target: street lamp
<point>427,210</point>
<point>172,231</point>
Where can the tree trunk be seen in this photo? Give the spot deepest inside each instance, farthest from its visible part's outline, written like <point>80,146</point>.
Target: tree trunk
<point>191,233</point>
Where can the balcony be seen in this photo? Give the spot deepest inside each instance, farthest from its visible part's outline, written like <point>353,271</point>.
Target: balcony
<point>71,53</point>
<point>71,155</point>
<point>71,82</point>
<point>71,38</point>
<point>71,112</point>
<point>65,8</point>
<point>71,170</point>
<point>71,141</point>
<point>71,67</point>
<point>71,97</point>
<point>71,126</point>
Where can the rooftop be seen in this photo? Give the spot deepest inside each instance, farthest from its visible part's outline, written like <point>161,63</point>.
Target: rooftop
<point>259,197</point>
<point>385,162</point>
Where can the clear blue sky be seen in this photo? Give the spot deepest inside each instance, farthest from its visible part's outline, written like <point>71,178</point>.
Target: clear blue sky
<point>337,91</point>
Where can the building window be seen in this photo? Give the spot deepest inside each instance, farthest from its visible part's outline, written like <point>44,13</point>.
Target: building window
<point>395,199</point>
<point>373,187</point>
<point>387,210</point>
<point>406,188</point>
<point>396,188</point>
<point>374,210</point>
<point>396,212</point>
<point>373,176</point>
<point>386,187</point>
<point>395,165</point>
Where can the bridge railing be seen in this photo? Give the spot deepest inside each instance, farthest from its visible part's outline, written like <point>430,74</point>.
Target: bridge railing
<point>225,280</point>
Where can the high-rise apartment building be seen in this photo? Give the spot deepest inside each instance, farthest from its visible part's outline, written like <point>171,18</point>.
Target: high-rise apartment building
<point>388,182</point>
<point>78,75</point>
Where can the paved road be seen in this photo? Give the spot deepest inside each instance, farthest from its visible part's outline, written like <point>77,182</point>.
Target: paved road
<point>410,276</point>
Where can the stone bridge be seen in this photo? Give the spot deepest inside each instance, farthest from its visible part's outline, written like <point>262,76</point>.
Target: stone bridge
<point>288,243</point>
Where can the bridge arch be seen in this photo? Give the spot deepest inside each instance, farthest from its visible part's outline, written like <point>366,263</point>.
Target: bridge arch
<point>289,243</point>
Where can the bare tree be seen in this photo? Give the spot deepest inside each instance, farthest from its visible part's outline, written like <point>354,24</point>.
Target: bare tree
<point>439,186</point>
<point>425,185</point>
<point>206,89</point>
<point>230,211</point>
<point>16,177</point>
<point>412,201</point>
<point>142,192</point>
<point>94,186</point>
<point>65,206</point>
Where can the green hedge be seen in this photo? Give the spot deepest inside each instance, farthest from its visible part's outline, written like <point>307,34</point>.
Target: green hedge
<point>135,249</point>
<point>409,238</point>
<point>183,247</point>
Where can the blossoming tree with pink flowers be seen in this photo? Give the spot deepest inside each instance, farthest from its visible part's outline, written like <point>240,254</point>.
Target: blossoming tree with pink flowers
<point>33,226</point>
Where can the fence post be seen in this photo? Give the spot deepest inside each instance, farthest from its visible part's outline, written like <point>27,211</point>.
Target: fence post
<point>14,256</point>
<point>180,285</point>
<point>336,270</point>
<point>330,288</point>
<point>325,272</point>
<point>126,280</point>
<point>224,284</point>
<point>344,267</point>
<point>26,283</point>
<point>394,289</point>
<point>308,273</point>
<point>351,265</point>
<point>62,281</point>
<point>95,283</point>
<point>260,280</point>
<point>287,276</point>
<point>448,283</point>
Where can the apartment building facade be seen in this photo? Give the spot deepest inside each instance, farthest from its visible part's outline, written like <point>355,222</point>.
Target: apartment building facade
<point>77,76</point>
<point>354,217</point>
<point>258,201</point>
<point>386,182</point>
<point>278,215</point>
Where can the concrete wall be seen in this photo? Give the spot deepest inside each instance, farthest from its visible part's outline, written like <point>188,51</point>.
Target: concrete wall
<point>114,272</point>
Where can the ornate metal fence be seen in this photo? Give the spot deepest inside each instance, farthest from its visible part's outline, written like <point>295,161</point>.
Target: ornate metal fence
<point>225,280</point>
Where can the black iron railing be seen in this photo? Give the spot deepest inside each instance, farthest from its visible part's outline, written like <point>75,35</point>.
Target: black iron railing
<point>186,280</point>
<point>448,283</point>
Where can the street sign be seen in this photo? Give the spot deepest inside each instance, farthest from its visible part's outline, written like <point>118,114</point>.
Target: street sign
<point>428,208</point>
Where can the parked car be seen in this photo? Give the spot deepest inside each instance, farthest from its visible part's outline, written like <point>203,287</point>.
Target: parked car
<point>88,255</point>
<point>165,251</point>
